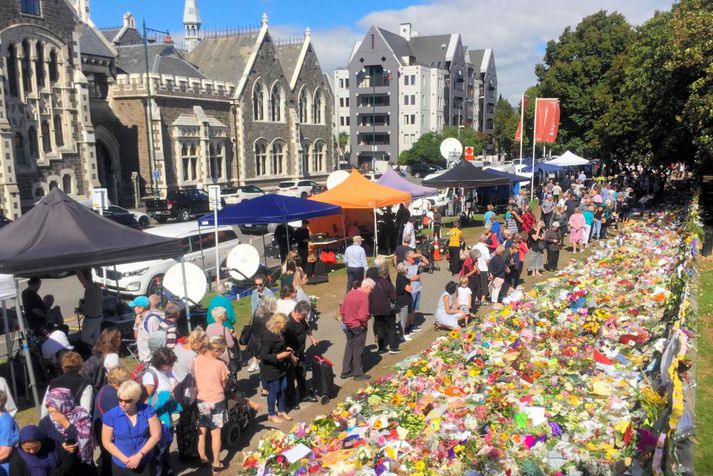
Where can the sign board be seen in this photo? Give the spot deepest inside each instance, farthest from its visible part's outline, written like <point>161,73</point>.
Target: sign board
<point>156,174</point>
<point>469,152</point>
<point>214,197</point>
<point>100,199</point>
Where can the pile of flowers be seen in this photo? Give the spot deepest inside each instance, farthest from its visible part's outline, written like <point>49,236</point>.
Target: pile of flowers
<point>560,382</point>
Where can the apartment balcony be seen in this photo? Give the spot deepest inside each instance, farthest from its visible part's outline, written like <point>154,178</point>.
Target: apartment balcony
<point>368,129</point>
<point>368,109</point>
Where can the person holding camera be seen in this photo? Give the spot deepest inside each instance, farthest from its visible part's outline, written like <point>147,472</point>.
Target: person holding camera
<point>275,359</point>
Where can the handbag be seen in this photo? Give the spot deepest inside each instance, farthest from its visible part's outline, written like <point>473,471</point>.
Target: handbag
<point>245,333</point>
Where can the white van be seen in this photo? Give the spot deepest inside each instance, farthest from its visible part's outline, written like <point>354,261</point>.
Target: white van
<point>144,277</point>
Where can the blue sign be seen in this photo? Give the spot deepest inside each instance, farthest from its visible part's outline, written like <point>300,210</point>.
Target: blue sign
<point>156,174</point>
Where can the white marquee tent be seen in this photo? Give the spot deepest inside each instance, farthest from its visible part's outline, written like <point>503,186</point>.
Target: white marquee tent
<point>568,159</point>
<point>7,287</point>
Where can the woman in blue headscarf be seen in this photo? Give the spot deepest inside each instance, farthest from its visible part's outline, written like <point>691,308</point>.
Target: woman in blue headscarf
<point>38,455</point>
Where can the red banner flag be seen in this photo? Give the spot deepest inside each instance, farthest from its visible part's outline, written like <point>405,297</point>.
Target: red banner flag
<point>523,107</point>
<point>547,120</point>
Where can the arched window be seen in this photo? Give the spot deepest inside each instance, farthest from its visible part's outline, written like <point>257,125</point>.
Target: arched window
<point>40,65</point>
<point>67,183</point>
<point>53,67</point>
<point>317,112</point>
<point>276,104</point>
<point>32,139</point>
<point>318,157</point>
<point>46,139</point>
<point>305,156</point>
<point>58,133</point>
<point>260,159</point>
<point>303,106</point>
<point>216,162</point>
<point>12,70</point>
<point>26,67</point>
<point>19,145</point>
<point>189,162</point>
<point>277,158</point>
<point>258,102</point>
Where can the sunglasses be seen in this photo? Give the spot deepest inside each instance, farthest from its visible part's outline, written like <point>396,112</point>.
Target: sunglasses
<point>121,400</point>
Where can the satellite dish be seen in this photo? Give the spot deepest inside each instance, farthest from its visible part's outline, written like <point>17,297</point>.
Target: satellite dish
<point>336,177</point>
<point>421,205</point>
<point>451,148</point>
<point>243,262</point>
<point>196,284</point>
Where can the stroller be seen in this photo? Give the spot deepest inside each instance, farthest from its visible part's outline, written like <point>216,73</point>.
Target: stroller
<point>427,247</point>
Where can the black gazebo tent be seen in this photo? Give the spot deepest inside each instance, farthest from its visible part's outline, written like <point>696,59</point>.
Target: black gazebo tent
<point>59,234</point>
<point>466,175</point>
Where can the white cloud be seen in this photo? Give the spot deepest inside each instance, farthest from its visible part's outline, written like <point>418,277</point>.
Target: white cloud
<point>515,29</point>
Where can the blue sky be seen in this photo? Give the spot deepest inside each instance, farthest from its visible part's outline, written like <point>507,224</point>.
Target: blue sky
<point>516,30</point>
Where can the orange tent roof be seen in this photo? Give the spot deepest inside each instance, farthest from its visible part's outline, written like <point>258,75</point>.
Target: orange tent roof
<point>359,192</point>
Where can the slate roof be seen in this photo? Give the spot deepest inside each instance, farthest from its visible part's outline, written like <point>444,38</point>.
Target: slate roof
<point>288,55</point>
<point>163,59</point>
<point>91,44</point>
<point>430,49</point>
<point>130,36</point>
<point>224,58</point>
<point>109,33</point>
<point>397,43</point>
<point>476,58</point>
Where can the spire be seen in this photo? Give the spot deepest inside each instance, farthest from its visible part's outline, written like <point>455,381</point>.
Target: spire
<point>192,24</point>
<point>264,18</point>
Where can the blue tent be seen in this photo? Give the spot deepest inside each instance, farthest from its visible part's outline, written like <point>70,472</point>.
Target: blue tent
<point>271,208</point>
<point>513,178</point>
<point>543,167</point>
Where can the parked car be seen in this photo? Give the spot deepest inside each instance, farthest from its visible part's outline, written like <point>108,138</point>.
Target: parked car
<point>142,218</point>
<point>145,277</point>
<point>373,176</point>
<point>179,204</point>
<point>122,217</point>
<point>233,195</point>
<point>296,188</point>
<point>317,189</point>
<point>422,169</point>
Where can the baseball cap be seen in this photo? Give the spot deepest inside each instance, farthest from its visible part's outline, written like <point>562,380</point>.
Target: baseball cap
<point>140,301</point>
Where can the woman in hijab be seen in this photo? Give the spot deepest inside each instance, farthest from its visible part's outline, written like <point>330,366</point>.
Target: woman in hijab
<point>38,455</point>
<point>69,425</point>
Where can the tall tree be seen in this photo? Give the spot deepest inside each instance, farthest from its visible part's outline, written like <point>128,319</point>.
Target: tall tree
<point>574,71</point>
<point>505,120</point>
<point>427,148</point>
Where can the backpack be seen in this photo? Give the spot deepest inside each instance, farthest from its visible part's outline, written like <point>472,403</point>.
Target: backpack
<point>93,371</point>
<point>157,338</point>
<point>138,375</point>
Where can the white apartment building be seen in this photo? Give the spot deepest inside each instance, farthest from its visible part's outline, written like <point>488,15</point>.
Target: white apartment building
<point>421,103</point>
<point>341,100</point>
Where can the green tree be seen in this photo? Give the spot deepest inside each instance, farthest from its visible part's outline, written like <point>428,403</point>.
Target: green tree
<point>427,148</point>
<point>505,120</point>
<point>574,71</point>
<point>343,140</point>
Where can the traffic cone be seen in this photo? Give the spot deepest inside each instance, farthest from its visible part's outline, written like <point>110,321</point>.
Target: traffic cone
<point>436,250</point>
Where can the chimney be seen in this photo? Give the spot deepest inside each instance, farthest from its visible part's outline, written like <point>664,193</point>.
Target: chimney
<point>129,20</point>
<point>405,31</point>
<point>167,39</point>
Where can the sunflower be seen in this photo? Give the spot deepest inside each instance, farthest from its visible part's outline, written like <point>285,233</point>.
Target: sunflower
<point>454,334</point>
<point>470,336</point>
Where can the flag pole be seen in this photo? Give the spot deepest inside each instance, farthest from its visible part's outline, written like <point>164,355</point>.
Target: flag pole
<point>522,123</point>
<point>534,141</point>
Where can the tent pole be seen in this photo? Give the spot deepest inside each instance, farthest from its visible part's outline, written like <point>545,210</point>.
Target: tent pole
<point>344,231</point>
<point>8,345</point>
<point>287,237</point>
<point>116,281</point>
<point>185,293</point>
<point>217,248</point>
<point>376,236</point>
<point>534,142</point>
<point>26,348</point>
<point>264,254</point>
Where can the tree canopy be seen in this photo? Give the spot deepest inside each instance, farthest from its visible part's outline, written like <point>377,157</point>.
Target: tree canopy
<point>427,148</point>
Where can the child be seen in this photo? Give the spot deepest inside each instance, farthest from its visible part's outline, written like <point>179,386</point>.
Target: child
<point>465,296</point>
<point>488,217</point>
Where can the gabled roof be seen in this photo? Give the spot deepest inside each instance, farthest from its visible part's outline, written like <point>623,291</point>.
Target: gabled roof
<point>163,59</point>
<point>430,50</point>
<point>109,33</point>
<point>290,58</point>
<point>396,43</point>
<point>122,36</point>
<point>476,58</point>
<point>224,58</point>
<point>90,43</point>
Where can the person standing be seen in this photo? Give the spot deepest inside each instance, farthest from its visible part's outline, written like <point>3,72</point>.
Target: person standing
<point>70,426</point>
<point>355,318</point>
<point>355,260</point>
<point>80,389</point>
<point>283,236</point>
<point>380,307</point>
<point>34,306</point>
<point>409,234</point>
<point>483,261</point>
<point>106,400</point>
<point>275,358</point>
<point>404,301</point>
<point>219,300</point>
<point>576,230</point>
<point>91,307</point>
<point>437,217</point>
<point>455,240</point>
<point>536,244</point>
<point>303,237</point>
<point>295,334</point>
<point>9,434</point>
<point>553,238</point>
<point>496,271</point>
<point>414,260</point>
<point>402,216</point>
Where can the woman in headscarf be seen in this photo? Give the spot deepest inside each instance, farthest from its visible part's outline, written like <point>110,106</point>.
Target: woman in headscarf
<point>69,425</point>
<point>38,455</point>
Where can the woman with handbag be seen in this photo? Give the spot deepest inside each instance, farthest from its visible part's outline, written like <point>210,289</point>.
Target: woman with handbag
<point>537,244</point>
<point>382,305</point>
<point>186,353</point>
<point>275,357</point>
<point>553,237</point>
<point>404,300</point>
<point>267,308</point>
<point>496,270</point>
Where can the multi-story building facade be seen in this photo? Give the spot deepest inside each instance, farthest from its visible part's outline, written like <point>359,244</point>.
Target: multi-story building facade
<point>404,85</point>
<point>239,107</point>
<point>341,101</point>
<point>485,93</point>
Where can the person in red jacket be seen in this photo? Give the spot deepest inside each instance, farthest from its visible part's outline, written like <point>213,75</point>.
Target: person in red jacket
<point>355,320</point>
<point>527,220</point>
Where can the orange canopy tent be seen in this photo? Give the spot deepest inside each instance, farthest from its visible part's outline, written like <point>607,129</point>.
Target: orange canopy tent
<point>361,193</point>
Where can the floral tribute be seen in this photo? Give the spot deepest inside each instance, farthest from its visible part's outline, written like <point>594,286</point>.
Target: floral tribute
<point>559,382</point>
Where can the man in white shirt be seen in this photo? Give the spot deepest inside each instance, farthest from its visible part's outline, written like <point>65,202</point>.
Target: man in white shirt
<point>355,260</point>
<point>482,267</point>
<point>410,233</point>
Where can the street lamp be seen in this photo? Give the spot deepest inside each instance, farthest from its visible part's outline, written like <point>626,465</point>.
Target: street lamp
<point>149,129</point>
<point>460,109</point>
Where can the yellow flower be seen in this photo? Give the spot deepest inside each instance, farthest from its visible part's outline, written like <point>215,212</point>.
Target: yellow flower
<point>424,369</point>
<point>472,373</point>
<point>457,449</point>
<point>470,336</point>
<point>409,373</point>
<point>454,334</point>
<point>420,466</point>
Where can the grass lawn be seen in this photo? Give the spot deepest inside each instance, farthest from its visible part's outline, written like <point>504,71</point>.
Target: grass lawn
<point>704,371</point>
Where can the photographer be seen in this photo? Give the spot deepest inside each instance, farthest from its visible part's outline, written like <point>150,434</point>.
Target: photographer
<point>275,358</point>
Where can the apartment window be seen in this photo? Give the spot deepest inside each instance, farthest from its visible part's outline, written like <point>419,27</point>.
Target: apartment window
<point>346,83</point>
<point>341,102</point>
<point>413,99</point>
<point>413,118</point>
<point>30,7</point>
<point>277,158</point>
<point>189,162</point>
<point>341,121</point>
<point>413,79</point>
<point>405,100</point>
<point>406,118</point>
<point>406,78</point>
<point>32,139</point>
<point>19,145</point>
<point>260,159</point>
<point>341,83</point>
<point>346,101</point>
<point>347,120</point>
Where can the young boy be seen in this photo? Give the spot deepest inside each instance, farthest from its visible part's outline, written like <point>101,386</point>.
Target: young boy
<point>465,297</point>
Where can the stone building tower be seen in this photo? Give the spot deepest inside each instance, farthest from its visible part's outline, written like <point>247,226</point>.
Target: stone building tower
<point>192,24</point>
